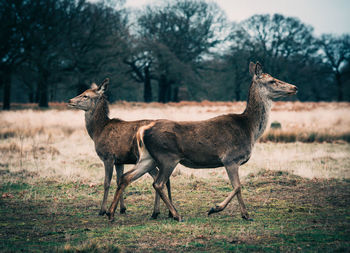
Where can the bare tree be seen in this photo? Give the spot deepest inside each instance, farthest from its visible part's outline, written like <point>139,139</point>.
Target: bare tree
<point>56,39</point>
<point>280,43</point>
<point>277,36</point>
<point>47,22</point>
<point>95,41</point>
<point>140,62</point>
<point>179,34</point>
<point>12,43</point>
<point>336,51</point>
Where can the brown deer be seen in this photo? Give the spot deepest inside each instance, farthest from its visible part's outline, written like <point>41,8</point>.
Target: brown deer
<point>114,139</point>
<point>226,140</point>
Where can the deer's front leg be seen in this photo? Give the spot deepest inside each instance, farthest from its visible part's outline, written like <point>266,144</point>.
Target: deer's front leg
<point>108,176</point>
<point>120,171</point>
<point>232,172</point>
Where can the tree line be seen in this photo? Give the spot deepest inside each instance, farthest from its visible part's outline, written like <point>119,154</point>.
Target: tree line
<point>51,50</point>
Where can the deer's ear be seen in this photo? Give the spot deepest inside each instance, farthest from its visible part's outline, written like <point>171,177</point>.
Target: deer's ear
<point>103,86</point>
<point>252,68</point>
<point>258,69</point>
<point>94,86</point>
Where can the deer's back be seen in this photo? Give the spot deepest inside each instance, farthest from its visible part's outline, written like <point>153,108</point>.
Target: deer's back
<point>118,140</point>
<point>201,143</point>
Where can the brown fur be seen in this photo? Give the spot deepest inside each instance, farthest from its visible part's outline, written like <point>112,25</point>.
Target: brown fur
<point>115,139</point>
<point>226,140</point>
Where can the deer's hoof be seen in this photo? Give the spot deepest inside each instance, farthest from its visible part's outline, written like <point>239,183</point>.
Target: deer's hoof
<point>155,215</point>
<point>170,215</point>
<point>213,210</point>
<point>110,216</point>
<point>247,218</point>
<point>102,212</point>
<point>179,219</point>
<point>122,210</point>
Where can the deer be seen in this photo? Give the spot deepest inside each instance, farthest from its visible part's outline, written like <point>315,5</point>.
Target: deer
<point>114,139</point>
<point>225,140</point>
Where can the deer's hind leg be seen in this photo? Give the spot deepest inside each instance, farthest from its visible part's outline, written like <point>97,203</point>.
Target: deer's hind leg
<point>108,176</point>
<point>143,166</point>
<point>156,209</point>
<point>169,195</point>
<point>120,171</point>
<point>166,167</point>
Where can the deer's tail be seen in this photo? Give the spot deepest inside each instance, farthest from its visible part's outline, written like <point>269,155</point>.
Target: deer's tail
<point>139,137</point>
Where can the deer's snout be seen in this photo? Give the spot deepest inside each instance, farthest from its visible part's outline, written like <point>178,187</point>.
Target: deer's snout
<point>294,89</point>
<point>70,102</point>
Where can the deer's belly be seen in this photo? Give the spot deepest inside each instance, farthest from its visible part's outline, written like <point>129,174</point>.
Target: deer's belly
<point>199,163</point>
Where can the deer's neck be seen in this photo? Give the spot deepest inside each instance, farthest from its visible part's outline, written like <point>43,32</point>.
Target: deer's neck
<point>97,118</point>
<point>257,110</point>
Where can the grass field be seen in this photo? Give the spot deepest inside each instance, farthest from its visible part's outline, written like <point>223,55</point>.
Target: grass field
<point>297,192</point>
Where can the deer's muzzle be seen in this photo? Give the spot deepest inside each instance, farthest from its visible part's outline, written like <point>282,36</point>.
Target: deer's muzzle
<point>294,90</point>
<point>71,103</point>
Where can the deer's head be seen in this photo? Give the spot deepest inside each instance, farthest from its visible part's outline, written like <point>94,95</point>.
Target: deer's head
<point>88,99</point>
<point>268,85</point>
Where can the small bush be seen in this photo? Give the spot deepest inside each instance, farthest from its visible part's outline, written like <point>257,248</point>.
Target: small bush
<point>276,125</point>
<point>276,135</point>
<point>7,133</point>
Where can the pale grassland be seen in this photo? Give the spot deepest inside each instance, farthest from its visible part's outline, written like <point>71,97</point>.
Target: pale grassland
<point>320,117</point>
<point>53,144</point>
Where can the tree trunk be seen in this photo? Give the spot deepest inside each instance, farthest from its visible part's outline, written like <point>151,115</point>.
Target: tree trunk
<point>31,96</point>
<point>6,78</point>
<point>340,86</point>
<point>53,92</point>
<point>162,89</point>
<point>316,93</point>
<point>168,92</point>
<point>147,93</point>
<point>165,91</point>
<point>238,92</point>
<point>175,94</point>
<point>237,87</point>
<point>37,93</point>
<point>43,90</point>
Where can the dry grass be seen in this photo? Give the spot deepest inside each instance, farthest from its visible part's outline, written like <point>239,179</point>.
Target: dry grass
<point>295,117</point>
<point>54,144</point>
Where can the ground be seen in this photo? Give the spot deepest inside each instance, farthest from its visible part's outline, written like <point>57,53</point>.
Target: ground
<point>290,214</point>
<point>51,187</point>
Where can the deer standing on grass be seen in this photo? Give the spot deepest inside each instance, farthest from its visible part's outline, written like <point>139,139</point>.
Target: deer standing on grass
<point>226,140</point>
<point>114,139</point>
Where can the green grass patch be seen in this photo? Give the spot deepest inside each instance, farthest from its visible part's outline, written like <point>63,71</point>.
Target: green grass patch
<point>290,214</point>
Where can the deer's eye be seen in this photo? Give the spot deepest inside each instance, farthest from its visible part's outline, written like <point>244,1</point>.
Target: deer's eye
<point>85,96</point>
<point>271,82</point>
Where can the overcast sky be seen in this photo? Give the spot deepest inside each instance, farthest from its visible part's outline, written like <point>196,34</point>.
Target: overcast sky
<point>326,16</point>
